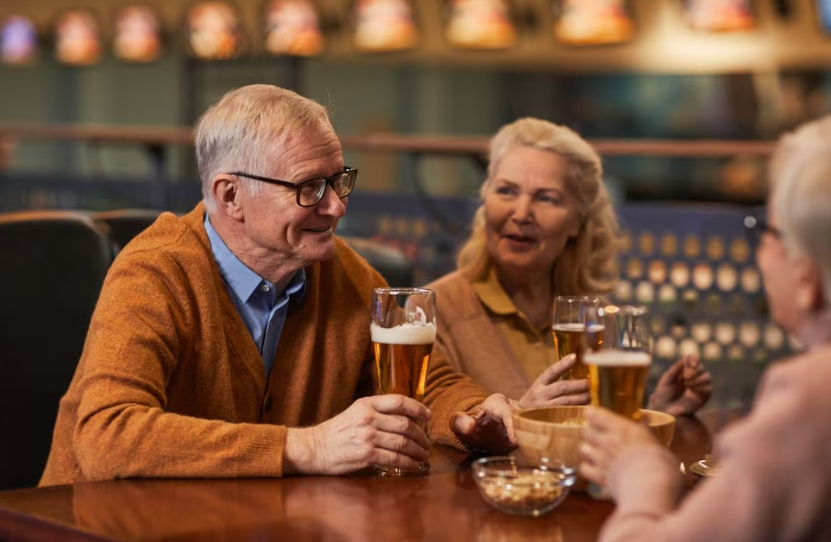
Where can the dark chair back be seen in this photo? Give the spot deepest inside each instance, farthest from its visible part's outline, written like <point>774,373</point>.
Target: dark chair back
<point>52,266</point>
<point>124,224</point>
<point>389,261</point>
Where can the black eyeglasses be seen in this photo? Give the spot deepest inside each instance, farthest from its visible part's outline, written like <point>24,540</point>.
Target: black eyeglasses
<point>756,226</point>
<point>309,193</point>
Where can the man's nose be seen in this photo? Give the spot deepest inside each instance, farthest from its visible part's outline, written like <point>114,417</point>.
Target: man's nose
<point>330,204</point>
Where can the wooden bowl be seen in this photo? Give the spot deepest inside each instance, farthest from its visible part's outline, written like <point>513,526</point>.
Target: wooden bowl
<point>555,433</point>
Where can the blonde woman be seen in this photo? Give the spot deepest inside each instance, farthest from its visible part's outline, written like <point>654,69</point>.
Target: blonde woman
<point>774,477</point>
<point>546,227</point>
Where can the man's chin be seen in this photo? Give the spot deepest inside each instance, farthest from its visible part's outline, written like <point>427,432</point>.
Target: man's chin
<point>321,250</point>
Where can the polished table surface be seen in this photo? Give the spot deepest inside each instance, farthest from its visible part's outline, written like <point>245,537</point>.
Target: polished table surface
<point>441,506</point>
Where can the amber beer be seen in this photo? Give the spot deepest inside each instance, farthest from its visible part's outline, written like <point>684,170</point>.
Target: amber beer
<point>402,330</point>
<point>570,339</point>
<point>618,379</point>
<point>402,357</point>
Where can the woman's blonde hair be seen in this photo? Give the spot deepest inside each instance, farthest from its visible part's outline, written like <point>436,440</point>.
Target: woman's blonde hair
<point>800,192</point>
<point>588,263</point>
<point>239,132</point>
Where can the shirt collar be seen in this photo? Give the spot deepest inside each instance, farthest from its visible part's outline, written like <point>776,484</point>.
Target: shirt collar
<point>242,280</point>
<point>493,295</point>
<point>297,285</point>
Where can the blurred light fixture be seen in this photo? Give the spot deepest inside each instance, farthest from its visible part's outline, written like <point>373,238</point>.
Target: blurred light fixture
<point>137,34</point>
<point>479,24</point>
<point>292,27</point>
<point>18,41</point>
<point>592,22</point>
<point>213,31</point>
<point>383,25</point>
<point>719,15</point>
<point>77,37</point>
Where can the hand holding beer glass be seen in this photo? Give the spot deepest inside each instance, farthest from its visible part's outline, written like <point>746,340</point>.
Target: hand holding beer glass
<point>619,368</point>
<point>403,330</point>
<point>573,333</point>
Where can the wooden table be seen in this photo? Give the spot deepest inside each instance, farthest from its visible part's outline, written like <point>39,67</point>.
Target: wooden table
<point>443,506</point>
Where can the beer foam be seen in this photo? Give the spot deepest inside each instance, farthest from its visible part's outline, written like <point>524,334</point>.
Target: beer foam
<point>591,328</point>
<point>569,327</point>
<point>609,358</point>
<point>404,334</point>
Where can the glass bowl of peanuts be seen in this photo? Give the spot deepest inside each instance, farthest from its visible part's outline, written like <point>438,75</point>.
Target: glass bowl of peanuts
<point>515,487</point>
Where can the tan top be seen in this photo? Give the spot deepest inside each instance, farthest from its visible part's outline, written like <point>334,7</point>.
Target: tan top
<point>534,348</point>
<point>170,383</point>
<point>773,481</point>
<point>483,335</point>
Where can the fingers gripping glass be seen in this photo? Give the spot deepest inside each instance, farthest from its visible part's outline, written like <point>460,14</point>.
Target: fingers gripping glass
<point>310,192</point>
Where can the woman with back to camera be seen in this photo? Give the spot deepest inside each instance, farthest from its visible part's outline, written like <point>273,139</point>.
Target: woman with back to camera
<point>546,227</point>
<point>773,481</point>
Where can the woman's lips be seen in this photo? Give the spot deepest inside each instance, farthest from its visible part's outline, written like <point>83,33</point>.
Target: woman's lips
<point>519,237</point>
<point>520,240</point>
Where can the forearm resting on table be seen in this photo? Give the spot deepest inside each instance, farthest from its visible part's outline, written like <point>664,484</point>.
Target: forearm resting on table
<point>141,442</point>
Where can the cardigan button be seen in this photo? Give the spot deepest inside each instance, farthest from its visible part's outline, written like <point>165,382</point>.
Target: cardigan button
<point>268,402</point>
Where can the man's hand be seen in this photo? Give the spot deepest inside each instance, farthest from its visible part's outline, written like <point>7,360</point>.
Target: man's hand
<point>549,390</point>
<point>684,388</point>
<point>607,437</point>
<point>488,426</point>
<point>378,429</point>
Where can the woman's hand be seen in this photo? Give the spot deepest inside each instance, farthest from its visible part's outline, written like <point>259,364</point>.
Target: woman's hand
<point>607,437</point>
<point>684,388</point>
<point>549,390</point>
<point>489,426</point>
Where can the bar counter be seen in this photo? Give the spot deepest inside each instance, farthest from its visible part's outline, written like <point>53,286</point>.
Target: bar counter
<point>442,506</point>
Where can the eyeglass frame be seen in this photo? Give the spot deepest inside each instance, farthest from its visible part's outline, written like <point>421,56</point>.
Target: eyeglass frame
<point>758,225</point>
<point>351,175</point>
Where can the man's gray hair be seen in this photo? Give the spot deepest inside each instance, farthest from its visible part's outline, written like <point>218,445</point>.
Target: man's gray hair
<point>240,131</point>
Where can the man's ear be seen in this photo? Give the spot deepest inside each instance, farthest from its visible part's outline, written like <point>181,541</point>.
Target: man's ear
<point>809,295</point>
<point>227,192</point>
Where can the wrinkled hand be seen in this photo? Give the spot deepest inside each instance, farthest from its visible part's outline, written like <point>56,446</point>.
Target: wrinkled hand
<point>488,426</point>
<point>607,437</point>
<point>549,390</point>
<point>378,429</point>
<point>684,388</point>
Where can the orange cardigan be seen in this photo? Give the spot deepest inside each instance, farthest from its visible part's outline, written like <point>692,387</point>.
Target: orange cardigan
<point>170,383</point>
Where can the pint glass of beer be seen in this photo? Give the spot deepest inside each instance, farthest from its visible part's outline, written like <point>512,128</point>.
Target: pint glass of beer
<point>618,370</point>
<point>403,331</point>
<point>575,331</point>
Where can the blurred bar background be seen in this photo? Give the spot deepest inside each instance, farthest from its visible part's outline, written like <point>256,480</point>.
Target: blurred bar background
<point>683,103</point>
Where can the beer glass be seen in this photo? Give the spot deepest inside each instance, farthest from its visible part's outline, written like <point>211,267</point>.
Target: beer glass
<point>619,368</point>
<point>403,330</point>
<point>573,333</point>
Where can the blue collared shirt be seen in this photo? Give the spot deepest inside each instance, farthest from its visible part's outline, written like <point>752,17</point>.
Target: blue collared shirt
<point>262,308</point>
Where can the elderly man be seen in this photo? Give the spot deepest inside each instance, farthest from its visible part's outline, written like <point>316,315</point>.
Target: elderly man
<point>234,341</point>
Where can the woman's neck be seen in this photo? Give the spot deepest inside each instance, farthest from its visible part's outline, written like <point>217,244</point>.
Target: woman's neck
<point>531,295</point>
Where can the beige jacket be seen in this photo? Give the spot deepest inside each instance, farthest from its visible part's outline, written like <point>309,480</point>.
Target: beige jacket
<point>483,335</point>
